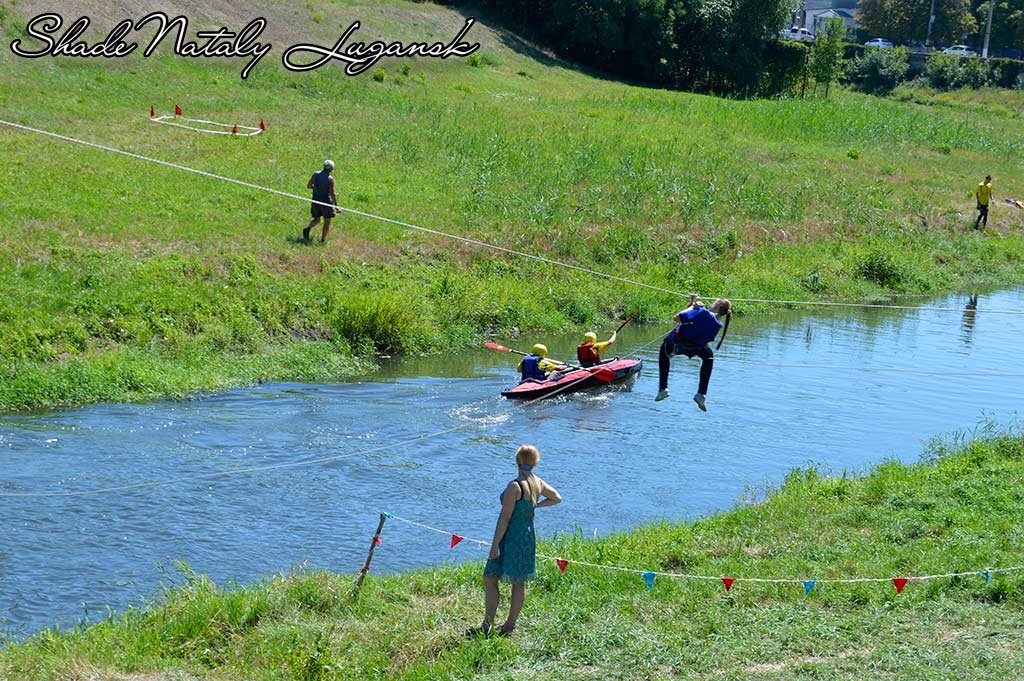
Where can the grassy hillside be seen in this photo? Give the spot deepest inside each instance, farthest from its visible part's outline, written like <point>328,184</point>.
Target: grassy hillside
<point>118,278</point>
<point>955,512</point>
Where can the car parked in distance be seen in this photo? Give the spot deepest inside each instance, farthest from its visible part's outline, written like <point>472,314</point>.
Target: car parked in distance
<point>960,51</point>
<point>878,42</point>
<point>798,34</point>
<point>918,48</point>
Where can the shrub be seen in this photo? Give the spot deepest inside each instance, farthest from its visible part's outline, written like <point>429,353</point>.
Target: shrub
<point>379,75</point>
<point>949,72</point>
<point>878,71</point>
<point>784,68</point>
<point>882,268</point>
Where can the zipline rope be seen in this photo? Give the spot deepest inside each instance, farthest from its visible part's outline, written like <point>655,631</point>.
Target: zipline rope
<point>476,242</point>
<point>899,370</point>
<point>290,464</point>
<point>683,575</point>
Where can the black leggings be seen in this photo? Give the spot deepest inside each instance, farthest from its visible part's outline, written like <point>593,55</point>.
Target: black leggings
<point>707,357</point>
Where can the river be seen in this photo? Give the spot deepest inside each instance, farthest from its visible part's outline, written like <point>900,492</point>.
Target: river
<point>789,390</point>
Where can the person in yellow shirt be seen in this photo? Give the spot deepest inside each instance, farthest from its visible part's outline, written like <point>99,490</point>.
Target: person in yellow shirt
<point>589,352</point>
<point>984,195</point>
<point>536,366</point>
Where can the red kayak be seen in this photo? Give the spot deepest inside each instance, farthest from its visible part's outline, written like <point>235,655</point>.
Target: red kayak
<point>611,372</point>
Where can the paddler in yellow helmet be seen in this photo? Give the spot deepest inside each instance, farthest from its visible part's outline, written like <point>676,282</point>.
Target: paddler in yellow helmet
<point>589,352</point>
<point>536,366</point>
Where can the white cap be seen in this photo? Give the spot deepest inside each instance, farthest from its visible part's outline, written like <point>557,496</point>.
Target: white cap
<point>329,165</point>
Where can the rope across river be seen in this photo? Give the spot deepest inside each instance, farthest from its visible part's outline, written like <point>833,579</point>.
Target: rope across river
<point>479,243</point>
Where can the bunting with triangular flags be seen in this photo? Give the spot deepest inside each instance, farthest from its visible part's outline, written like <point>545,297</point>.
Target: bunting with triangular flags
<point>809,586</point>
<point>455,540</point>
<point>649,578</point>
<point>899,583</point>
<point>728,583</point>
<point>562,564</point>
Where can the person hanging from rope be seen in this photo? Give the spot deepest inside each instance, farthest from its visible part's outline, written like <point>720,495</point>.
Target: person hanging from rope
<point>589,352</point>
<point>322,185</point>
<point>983,193</point>
<point>536,366</point>
<point>697,328</point>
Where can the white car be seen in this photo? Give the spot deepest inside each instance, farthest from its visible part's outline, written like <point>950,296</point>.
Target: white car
<point>960,51</point>
<point>798,34</point>
<point>878,42</point>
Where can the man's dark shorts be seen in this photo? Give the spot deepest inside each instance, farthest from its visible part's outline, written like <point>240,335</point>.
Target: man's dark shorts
<point>318,211</point>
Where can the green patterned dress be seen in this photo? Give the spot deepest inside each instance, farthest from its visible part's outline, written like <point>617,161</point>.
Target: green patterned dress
<point>517,551</point>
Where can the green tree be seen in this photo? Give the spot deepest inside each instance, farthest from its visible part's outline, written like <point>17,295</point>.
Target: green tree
<point>827,53</point>
<point>1007,24</point>
<point>906,21</point>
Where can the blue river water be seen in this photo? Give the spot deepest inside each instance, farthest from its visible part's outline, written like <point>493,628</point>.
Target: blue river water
<point>790,389</point>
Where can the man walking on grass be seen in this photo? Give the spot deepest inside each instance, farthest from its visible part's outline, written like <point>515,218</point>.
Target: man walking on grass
<point>322,185</point>
<point>984,195</point>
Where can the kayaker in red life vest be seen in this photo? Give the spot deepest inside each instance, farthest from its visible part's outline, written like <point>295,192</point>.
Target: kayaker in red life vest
<point>536,367</point>
<point>697,328</point>
<point>589,352</point>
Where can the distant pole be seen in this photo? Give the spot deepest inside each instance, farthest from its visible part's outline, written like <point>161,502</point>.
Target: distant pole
<point>931,20</point>
<point>988,29</point>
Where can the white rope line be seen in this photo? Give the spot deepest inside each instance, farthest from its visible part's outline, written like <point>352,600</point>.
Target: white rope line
<point>761,580</point>
<point>477,242</point>
<point>258,469</point>
<point>901,370</point>
<point>234,471</point>
<point>170,120</point>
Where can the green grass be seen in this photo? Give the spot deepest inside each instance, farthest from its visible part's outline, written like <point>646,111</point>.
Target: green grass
<point>956,511</point>
<point>102,255</point>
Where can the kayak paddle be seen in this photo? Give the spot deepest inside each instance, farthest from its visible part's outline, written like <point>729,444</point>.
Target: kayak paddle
<point>601,374</point>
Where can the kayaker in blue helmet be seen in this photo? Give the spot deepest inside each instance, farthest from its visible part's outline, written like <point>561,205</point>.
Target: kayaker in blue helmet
<point>589,352</point>
<point>536,366</point>
<point>697,328</point>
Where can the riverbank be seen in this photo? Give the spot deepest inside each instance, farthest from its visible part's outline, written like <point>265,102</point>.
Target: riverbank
<point>956,511</point>
<point>116,287</point>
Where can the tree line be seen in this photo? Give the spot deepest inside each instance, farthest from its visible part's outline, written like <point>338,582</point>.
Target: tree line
<point>906,21</point>
<point>704,45</point>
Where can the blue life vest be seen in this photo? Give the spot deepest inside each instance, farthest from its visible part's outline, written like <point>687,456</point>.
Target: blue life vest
<point>698,327</point>
<point>530,368</point>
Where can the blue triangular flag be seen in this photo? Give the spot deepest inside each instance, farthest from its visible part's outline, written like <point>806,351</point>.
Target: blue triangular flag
<point>649,578</point>
<point>987,574</point>
<point>809,586</point>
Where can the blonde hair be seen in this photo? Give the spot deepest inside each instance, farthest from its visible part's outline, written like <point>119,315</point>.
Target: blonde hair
<point>528,455</point>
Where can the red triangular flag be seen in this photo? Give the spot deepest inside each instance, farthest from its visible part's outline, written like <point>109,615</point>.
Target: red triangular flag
<point>152,113</point>
<point>262,127</point>
<point>177,110</point>
<point>899,583</point>
<point>728,582</point>
<point>455,540</point>
<point>562,564</point>
<point>234,130</point>
<point>377,541</point>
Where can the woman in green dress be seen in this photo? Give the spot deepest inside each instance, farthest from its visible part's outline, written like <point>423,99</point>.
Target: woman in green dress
<point>514,549</point>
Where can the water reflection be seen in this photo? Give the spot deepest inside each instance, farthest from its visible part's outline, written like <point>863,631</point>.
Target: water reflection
<point>967,321</point>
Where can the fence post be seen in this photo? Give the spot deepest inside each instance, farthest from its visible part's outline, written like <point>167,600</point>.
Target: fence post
<point>369,556</point>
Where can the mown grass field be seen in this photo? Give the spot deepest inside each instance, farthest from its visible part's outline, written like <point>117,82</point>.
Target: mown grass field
<point>119,278</point>
<point>957,511</point>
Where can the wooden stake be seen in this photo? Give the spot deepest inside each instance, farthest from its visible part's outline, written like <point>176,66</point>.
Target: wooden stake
<point>369,556</point>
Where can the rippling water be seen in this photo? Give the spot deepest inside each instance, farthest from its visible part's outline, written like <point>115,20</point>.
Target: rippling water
<point>618,458</point>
